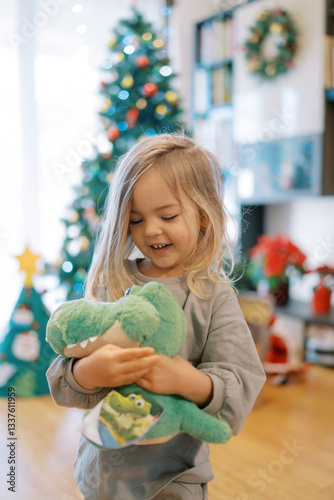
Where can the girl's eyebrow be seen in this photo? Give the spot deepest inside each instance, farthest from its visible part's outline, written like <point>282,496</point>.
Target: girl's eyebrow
<point>163,207</point>
<point>172,205</point>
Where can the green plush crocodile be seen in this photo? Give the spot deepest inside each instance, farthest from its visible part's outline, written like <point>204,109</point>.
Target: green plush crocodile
<point>147,316</point>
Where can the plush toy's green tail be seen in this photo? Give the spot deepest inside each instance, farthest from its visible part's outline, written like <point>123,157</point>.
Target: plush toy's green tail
<point>204,426</point>
<point>181,415</point>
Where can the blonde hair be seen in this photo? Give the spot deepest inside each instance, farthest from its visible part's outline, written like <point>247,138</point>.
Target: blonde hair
<point>183,165</point>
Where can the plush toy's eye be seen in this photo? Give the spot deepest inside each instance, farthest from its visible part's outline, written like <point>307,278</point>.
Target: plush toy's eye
<point>140,403</point>
<point>132,396</point>
<point>127,292</point>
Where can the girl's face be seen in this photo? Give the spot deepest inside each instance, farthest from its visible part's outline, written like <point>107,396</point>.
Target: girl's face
<point>164,230</point>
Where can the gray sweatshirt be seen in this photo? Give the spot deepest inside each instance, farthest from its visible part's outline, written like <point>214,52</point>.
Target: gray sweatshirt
<point>218,342</point>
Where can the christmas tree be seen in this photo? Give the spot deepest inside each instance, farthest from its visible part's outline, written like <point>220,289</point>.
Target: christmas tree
<point>138,102</point>
<point>25,355</point>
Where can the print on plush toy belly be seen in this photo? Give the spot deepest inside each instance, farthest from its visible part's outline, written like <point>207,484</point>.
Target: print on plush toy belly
<point>114,335</point>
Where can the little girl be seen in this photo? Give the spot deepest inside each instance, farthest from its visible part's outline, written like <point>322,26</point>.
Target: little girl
<point>164,201</point>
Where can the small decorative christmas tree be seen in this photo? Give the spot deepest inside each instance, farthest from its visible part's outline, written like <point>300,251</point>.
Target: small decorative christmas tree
<point>24,354</point>
<point>139,102</point>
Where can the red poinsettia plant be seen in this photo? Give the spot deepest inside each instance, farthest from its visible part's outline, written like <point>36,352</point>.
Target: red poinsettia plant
<point>272,258</point>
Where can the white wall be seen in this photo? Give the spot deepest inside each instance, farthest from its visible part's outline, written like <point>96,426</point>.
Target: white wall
<point>298,95</point>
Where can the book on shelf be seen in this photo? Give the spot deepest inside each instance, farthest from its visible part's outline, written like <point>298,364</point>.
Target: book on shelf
<point>228,85</point>
<point>329,61</point>
<point>221,85</point>
<point>205,49</point>
<point>229,40</point>
<point>218,35</point>
<point>217,86</point>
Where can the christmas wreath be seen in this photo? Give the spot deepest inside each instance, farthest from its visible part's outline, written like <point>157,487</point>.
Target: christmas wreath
<point>280,25</point>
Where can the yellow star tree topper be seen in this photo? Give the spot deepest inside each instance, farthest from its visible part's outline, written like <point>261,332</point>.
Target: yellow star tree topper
<point>28,264</point>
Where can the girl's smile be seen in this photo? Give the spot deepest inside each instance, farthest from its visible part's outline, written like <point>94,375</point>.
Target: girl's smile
<point>163,229</point>
<point>161,246</point>
<point>159,249</point>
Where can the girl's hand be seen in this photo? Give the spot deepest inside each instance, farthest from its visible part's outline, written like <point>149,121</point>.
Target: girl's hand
<point>177,376</point>
<point>112,366</point>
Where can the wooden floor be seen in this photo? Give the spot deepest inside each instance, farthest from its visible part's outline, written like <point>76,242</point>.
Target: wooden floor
<point>284,452</point>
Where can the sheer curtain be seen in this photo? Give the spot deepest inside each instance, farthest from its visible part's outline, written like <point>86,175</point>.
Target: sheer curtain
<point>10,164</point>
<point>51,52</point>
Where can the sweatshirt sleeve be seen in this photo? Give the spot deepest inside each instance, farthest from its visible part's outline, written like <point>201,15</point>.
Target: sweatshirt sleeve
<point>66,391</point>
<point>231,360</point>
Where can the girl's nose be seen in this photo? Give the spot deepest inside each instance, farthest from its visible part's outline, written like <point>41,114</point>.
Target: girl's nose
<point>152,229</point>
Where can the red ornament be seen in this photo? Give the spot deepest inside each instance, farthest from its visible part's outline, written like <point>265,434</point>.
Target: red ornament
<point>103,85</point>
<point>106,156</point>
<point>132,117</point>
<point>278,12</point>
<point>142,61</point>
<point>88,213</point>
<point>113,133</point>
<point>149,89</point>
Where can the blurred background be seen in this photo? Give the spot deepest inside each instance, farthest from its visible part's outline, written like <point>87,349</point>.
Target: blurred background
<point>52,54</point>
<point>252,81</point>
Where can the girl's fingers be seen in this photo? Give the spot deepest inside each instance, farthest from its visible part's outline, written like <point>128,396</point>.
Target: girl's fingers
<point>122,366</point>
<point>133,377</point>
<point>143,364</point>
<point>135,352</point>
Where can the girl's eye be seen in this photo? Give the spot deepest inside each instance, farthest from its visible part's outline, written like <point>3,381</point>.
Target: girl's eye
<point>134,222</point>
<point>169,218</point>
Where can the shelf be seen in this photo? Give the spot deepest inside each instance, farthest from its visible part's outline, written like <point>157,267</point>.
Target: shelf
<point>303,311</point>
<point>271,154</point>
<point>214,65</point>
<point>221,111</point>
<point>213,69</point>
<point>222,16</point>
